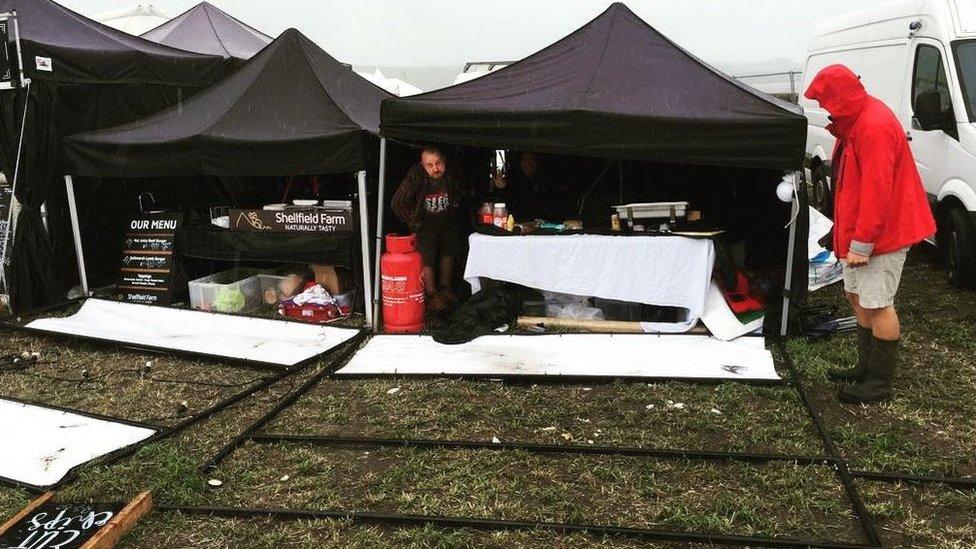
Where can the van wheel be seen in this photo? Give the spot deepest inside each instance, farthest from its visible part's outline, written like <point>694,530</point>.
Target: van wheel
<point>820,195</point>
<point>960,249</point>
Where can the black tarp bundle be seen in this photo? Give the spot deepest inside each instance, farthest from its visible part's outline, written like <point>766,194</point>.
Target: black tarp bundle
<point>204,28</point>
<point>291,110</point>
<point>618,89</point>
<point>98,77</point>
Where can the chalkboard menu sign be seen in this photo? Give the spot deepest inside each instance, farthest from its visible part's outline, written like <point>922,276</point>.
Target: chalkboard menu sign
<point>58,526</point>
<point>317,220</point>
<point>146,273</point>
<point>6,63</point>
<point>44,524</point>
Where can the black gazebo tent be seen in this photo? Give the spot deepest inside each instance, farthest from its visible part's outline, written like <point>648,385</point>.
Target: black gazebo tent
<point>83,76</point>
<point>204,28</point>
<point>291,110</point>
<point>615,88</point>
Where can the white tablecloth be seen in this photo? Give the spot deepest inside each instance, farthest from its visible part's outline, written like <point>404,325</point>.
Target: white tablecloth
<point>672,271</point>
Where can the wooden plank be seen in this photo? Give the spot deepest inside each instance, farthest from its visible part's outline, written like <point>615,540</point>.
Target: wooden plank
<point>38,501</point>
<point>110,534</point>
<point>594,326</point>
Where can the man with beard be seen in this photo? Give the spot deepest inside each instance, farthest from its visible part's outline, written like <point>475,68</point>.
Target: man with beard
<point>427,202</point>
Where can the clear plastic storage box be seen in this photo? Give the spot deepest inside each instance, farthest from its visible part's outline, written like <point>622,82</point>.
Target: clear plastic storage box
<point>270,286</point>
<point>233,291</point>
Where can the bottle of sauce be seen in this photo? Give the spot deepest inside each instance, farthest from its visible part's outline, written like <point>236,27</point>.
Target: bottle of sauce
<point>500,215</point>
<point>510,223</point>
<point>485,214</point>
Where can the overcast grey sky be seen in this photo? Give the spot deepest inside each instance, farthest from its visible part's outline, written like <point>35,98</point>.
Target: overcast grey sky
<point>446,32</point>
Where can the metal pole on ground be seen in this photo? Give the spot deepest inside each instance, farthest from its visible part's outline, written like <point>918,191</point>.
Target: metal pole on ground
<point>380,199</point>
<point>76,232</point>
<point>364,236</point>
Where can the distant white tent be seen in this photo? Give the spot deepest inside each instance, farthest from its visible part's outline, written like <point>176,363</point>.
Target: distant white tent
<point>134,20</point>
<point>478,69</point>
<point>395,86</point>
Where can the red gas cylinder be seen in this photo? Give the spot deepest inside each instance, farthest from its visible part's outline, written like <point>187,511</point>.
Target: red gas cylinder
<point>403,287</point>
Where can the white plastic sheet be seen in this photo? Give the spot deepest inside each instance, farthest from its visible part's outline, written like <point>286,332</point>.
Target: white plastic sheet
<point>721,321</point>
<point>40,445</point>
<point>825,271</point>
<point>254,339</point>
<point>681,356</point>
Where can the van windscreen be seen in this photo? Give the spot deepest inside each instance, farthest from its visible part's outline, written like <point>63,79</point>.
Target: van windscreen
<point>965,54</point>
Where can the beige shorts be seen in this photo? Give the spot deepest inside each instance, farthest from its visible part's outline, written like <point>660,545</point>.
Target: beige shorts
<point>877,282</point>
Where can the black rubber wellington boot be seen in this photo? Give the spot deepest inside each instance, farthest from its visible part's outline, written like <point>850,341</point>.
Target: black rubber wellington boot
<point>856,372</point>
<point>876,385</point>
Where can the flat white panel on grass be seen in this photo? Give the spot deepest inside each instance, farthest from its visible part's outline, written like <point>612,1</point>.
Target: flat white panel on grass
<point>256,339</point>
<point>40,445</point>
<point>681,356</point>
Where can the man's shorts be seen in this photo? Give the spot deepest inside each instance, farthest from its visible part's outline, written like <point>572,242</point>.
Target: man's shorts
<point>877,282</point>
<point>437,240</point>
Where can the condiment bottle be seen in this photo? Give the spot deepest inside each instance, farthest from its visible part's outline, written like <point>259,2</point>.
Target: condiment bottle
<point>510,223</point>
<point>615,223</point>
<point>500,215</point>
<point>486,213</point>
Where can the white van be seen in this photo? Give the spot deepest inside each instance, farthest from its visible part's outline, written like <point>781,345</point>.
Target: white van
<point>919,57</point>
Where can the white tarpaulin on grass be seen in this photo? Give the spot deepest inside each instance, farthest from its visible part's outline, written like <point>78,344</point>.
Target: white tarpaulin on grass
<point>687,356</point>
<point>40,445</point>
<point>254,339</point>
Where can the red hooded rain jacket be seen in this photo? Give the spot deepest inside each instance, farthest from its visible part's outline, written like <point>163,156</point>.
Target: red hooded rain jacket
<point>879,200</point>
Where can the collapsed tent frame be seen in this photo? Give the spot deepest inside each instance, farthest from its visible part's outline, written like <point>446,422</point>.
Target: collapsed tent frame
<point>396,520</point>
<point>351,346</point>
<point>161,433</point>
<point>832,459</point>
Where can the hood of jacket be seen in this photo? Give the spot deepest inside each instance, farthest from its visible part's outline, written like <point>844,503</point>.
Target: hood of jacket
<point>840,92</point>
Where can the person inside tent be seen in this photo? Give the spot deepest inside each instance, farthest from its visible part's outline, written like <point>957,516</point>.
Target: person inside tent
<point>427,202</point>
<point>529,192</point>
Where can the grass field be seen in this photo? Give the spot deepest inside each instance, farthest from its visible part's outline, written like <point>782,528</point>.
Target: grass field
<point>928,429</point>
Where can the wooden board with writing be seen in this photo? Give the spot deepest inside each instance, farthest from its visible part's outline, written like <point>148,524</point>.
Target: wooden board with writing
<point>146,271</point>
<point>44,524</point>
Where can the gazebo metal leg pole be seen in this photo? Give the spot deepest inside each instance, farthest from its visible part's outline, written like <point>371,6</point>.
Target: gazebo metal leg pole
<point>364,236</point>
<point>76,232</point>
<point>380,199</point>
<point>9,238</point>
<point>20,56</point>
<point>788,283</point>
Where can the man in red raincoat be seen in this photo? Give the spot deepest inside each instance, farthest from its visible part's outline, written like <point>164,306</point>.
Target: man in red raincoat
<point>880,211</point>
